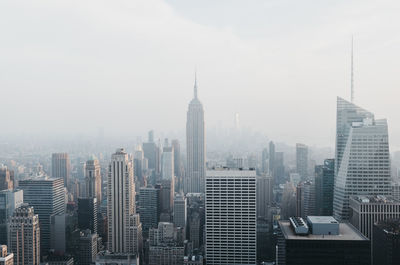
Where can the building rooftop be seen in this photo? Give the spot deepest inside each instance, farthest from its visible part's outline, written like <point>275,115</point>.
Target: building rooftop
<point>374,199</point>
<point>346,232</point>
<point>322,219</point>
<point>390,226</point>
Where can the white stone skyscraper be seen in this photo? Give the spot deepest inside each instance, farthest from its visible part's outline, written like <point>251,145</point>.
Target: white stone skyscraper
<point>362,155</point>
<point>231,221</point>
<point>120,201</point>
<point>195,146</point>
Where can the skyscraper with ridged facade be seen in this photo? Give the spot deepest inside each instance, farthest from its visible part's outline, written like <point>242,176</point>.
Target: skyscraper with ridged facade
<point>362,155</point>
<point>195,146</point>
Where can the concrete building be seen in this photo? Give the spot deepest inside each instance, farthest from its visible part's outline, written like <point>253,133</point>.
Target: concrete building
<point>231,220</point>
<point>135,235</point>
<point>265,196</point>
<point>302,160</point>
<point>9,201</point>
<point>107,258</point>
<point>5,257</point>
<point>93,179</point>
<point>332,243</point>
<point>365,211</point>
<point>120,200</point>
<point>362,157</point>
<point>180,211</point>
<point>24,236</point>
<point>47,197</point>
<point>61,167</point>
<point>195,146</point>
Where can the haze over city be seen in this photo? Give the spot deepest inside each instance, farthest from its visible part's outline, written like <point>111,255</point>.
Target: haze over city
<point>72,67</point>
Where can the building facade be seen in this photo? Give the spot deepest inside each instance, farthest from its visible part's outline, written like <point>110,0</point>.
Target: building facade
<point>93,180</point>
<point>61,167</point>
<point>324,184</point>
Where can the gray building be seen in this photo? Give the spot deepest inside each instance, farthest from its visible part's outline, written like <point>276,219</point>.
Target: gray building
<point>180,211</point>
<point>302,160</point>
<point>61,167</point>
<point>93,179</point>
<point>47,197</point>
<point>264,195</point>
<point>9,201</point>
<point>149,208</point>
<point>362,157</point>
<point>87,248</point>
<point>107,258</point>
<point>231,220</point>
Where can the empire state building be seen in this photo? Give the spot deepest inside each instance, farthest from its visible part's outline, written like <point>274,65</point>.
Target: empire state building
<point>195,146</point>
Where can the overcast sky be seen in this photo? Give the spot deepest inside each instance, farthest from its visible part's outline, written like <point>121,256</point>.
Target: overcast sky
<point>128,66</point>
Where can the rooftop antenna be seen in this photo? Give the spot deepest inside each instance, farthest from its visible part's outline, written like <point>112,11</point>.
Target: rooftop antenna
<point>195,82</point>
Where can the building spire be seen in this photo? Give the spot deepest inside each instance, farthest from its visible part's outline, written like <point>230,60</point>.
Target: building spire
<point>352,72</point>
<point>195,83</point>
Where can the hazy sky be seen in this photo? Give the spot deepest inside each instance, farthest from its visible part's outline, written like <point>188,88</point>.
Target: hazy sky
<point>128,66</point>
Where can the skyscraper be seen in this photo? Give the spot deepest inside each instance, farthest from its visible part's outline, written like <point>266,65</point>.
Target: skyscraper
<point>177,164</point>
<point>167,162</point>
<point>302,160</point>
<point>195,146</point>
<point>87,247</point>
<point>324,183</point>
<point>264,195</point>
<point>87,214</point>
<point>151,152</point>
<point>61,167</point>
<point>6,179</point>
<point>47,197</point>
<point>9,201</point>
<point>93,180</point>
<point>120,200</point>
<point>362,155</point>
<point>24,236</point>
<point>180,211</point>
<point>231,217</point>
<point>149,208</point>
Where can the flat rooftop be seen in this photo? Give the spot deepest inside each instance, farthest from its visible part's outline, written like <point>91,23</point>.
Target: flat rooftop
<point>346,232</point>
<point>374,199</point>
<point>322,219</point>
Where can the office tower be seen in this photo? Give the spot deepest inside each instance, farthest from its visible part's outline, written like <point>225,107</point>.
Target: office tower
<point>166,191</point>
<point>47,197</point>
<point>264,195</point>
<point>265,161</point>
<point>362,155</point>
<point>196,218</point>
<point>151,153</point>
<point>139,166</point>
<point>167,163</point>
<point>134,235</point>
<point>120,200</point>
<point>386,242</point>
<point>6,258</point>
<point>9,201</point>
<point>289,201</point>
<point>177,163</point>
<point>87,247</point>
<point>93,179</point>
<point>58,228</point>
<point>164,246</point>
<point>87,214</point>
<point>324,183</point>
<point>279,168</point>
<point>180,211</point>
<point>321,240</point>
<point>272,159</point>
<point>305,195</point>
<point>6,179</point>
<point>195,146</point>
<point>24,236</point>
<point>231,217</point>
<point>149,208</point>
<point>107,258</point>
<point>61,167</point>
<point>302,160</point>
<point>367,210</point>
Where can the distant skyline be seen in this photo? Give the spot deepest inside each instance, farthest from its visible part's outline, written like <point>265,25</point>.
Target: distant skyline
<point>71,67</point>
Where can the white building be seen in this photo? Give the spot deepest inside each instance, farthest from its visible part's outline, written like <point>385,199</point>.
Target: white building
<point>167,163</point>
<point>231,217</point>
<point>120,201</point>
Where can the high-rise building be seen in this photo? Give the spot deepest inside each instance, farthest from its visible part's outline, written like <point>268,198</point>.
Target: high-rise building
<point>6,179</point>
<point>24,236</point>
<point>362,157</point>
<point>61,167</point>
<point>386,242</point>
<point>135,236</point>
<point>195,146</point>
<point>139,166</point>
<point>47,197</point>
<point>302,160</point>
<point>196,218</point>
<point>365,211</point>
<point>167,162</point>
<point>5,257</point>
<point>272,159</point>
<point>279,168</point>
<point>120,200</point>
<point>231,220</point>
<point>264,195</point>
<point>180,211</point>
<point>87,247</point>
<point>177,165</point>
<point>9,201</point>
<point>265,161</point>
<point>324,183</point>
<point>152,152</point>
<point>166,191</point>
<point>93,180</point>
<point>149,208</point>
<point>321,240</point>
<point>87,214</point>
<point>305,195</point>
